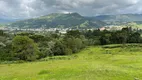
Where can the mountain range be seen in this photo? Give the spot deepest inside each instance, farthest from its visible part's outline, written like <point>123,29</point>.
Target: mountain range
<point>75,20</point>
<point>120,17</point>
<point>59,20</point>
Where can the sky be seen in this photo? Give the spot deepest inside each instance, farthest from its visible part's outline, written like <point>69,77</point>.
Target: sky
<point>21,9</point>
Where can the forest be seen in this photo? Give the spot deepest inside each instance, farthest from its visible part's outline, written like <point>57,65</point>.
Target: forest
<point>29,46</point>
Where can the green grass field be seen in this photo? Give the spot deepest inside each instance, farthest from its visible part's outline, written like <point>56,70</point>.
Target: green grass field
<point>112,62</point>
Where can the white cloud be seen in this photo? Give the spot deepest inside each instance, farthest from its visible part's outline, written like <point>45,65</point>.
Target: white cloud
<point>32,8</point>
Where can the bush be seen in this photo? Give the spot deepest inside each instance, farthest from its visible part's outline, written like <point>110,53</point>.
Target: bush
<point>43,72</point>
<point>24,48</point>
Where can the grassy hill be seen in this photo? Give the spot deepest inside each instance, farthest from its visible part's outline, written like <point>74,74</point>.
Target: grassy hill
<point>110,62</point>
<point>59,20</point>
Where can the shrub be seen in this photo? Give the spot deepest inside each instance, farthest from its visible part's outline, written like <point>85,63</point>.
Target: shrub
<point>43,72</point>
<point>24,48</point>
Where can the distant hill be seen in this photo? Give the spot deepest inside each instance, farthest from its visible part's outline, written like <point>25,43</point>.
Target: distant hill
<point>75,20</point>
<point>3,21</point>
<point>59,20</point>
<point>120,18</point>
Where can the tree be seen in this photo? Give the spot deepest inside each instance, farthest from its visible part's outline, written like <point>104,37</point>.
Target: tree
<point>68,51</point>
<point>74,33</point>
<point>24,48</point>
<point>96,32</point>
<point>59,48</point>
<point>105,39</point>
<point>134,38</point>
<point>119,37</point>
<point>1,33</point>
<point>89,34</point>
<point>75,44</point>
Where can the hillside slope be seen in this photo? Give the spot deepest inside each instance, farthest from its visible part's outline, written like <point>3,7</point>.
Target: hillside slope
<point>59,20</point>
<point>112,62</point>
<point>120,17</point>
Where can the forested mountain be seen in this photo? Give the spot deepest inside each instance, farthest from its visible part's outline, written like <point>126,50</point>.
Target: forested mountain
<point>59,20</point>
<point>120,18</point>
<point>75,20</point>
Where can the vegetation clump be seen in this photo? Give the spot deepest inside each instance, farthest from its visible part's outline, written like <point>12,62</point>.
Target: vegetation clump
<point>31,46</point>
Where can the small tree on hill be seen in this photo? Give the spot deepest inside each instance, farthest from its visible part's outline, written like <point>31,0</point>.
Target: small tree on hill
<point>24,48</point>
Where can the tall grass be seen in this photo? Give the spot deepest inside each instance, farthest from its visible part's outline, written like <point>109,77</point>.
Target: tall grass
<point>122,63</point>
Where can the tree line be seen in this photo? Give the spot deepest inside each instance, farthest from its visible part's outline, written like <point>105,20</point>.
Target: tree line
<point>32,46</point>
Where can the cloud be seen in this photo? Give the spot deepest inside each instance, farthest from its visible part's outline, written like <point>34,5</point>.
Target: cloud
<point>34,8</point>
